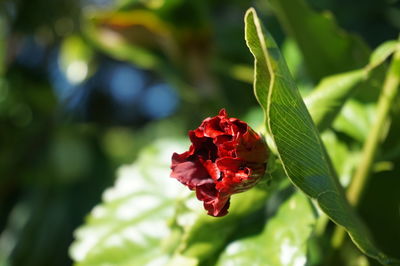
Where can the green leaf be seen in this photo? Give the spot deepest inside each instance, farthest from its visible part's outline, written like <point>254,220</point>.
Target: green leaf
<point>296,138</point>
<point>208,234</point>
<point>151,4</point>
<point>327,99</point>
<point>326,48</point>
<point>344,159</point>
<point>382,52</point>
<point>356,119</point>
<point>119,48</point>
<point>131,226</point>
<point>282,241</point>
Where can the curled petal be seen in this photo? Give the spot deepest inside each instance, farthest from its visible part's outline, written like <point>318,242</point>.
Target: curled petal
<point>215,203</point>
<point>191,173</point>
<point>252,147</point>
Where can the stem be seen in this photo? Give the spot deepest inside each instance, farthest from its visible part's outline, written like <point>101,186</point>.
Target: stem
<point>374,138</point>
<point>361,176</point>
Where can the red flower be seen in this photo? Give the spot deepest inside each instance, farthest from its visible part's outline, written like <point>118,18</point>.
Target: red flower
<point>226,157</point>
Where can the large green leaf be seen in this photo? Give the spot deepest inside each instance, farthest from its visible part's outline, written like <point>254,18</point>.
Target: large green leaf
<point>131,226</point>
<point>326,48</point>
<point>296,138</point>
<point>282,241</point>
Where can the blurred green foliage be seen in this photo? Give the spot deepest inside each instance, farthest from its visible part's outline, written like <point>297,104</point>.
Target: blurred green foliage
<point>86,85</point>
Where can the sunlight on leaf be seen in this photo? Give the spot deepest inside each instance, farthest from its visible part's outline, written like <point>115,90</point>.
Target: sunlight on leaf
<point>283,241</point>
<point>131,225</point>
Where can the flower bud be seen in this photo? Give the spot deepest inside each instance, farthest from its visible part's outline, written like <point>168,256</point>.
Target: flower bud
<point>226,157</point>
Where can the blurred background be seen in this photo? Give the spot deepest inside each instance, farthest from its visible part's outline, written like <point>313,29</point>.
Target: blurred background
<point>85,84</point>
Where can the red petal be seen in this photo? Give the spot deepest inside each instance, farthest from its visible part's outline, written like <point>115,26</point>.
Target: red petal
<point>179,158</point>
<point>191,173</point>
<point>223,113</point>
<point>231,164</point>
<point>215,203</point>
<point>237,177</point>
<point>203,146</point>
<point>218,208</point>
<point>252,148</point>
<point>212,128</point>
<point>211,168</point>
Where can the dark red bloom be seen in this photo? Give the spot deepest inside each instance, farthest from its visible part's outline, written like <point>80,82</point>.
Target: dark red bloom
<point>226,157</point>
